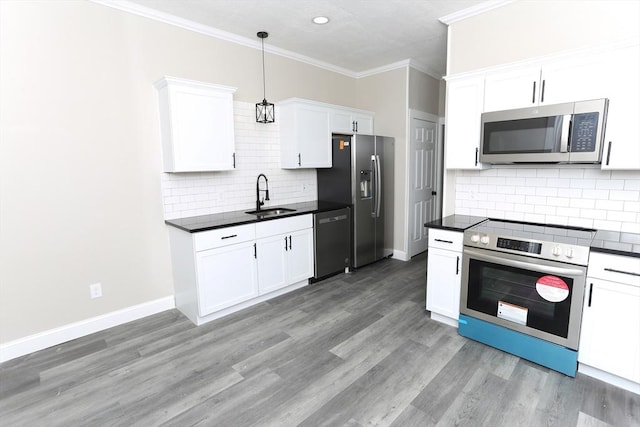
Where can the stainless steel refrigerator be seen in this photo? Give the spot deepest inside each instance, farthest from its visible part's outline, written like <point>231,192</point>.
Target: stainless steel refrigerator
<point>362,177</point>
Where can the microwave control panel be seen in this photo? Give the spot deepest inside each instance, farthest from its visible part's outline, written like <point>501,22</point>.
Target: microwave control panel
<point>583,132</point>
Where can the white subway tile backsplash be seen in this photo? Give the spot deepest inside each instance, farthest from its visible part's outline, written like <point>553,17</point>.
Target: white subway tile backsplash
<point>584,197</point>
<point>569,192</point>
<point>610,205</point>
<point>570,173</point>
<point>631,207</point>
<point>558,201</point>
<point>632,196</point>
<point>582,203</point>
<point>612,184</point>
<point>595,194</point>
<point>630,184</point>
<point>583,183</point>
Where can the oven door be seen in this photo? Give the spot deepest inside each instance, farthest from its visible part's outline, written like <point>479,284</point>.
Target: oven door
<point>534,296</point>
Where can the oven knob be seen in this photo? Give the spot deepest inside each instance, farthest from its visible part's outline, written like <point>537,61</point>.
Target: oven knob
<point>569,253</point>
<point>557,251</point>
<point>484,240</point>
<point>475,238</point>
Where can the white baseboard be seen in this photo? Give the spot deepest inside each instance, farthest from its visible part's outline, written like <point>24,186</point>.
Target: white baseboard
<point>69,332</point>
<point>609,378</point>
<point>400,255</point>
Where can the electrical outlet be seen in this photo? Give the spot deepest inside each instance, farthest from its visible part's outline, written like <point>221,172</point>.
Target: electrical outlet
<point>95,290</point>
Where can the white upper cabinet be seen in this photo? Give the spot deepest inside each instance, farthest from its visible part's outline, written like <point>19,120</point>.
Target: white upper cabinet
<point>464,107</point>
<point>567,80</point>
<point>351,121</point>
<point>196,125</point>
<point>517,88</point>
<point>305,135</point>
<point>622,134</point>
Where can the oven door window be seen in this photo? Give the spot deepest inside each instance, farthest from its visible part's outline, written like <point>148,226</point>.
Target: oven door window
<point>539,301</point>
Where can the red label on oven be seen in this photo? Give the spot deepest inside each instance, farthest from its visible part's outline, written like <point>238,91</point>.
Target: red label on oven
<point>552,288</point>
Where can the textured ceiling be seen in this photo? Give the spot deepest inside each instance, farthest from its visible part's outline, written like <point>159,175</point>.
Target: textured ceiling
<point>362,35</point>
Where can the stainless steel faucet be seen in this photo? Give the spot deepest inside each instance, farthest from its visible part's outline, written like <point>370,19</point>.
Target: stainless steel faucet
<point>266,182</point>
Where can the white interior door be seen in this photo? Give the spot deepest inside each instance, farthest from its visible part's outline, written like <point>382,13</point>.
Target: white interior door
<point>422,182</point>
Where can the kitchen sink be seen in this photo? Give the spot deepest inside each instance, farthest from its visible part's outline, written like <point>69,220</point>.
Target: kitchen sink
<point>271,212</point>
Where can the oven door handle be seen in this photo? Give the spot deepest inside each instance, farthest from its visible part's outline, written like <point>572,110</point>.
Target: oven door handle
<point>525,265</point>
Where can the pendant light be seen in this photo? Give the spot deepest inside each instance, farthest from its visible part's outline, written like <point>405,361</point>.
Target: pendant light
<point>264,110</point>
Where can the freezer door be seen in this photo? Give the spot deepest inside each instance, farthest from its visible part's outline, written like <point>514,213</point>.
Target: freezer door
<point>364,233</point>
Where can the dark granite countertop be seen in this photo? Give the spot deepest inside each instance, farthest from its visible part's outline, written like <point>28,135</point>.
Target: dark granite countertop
<point>455,222</point>
<point>227,219</point>
<point>618,243</point>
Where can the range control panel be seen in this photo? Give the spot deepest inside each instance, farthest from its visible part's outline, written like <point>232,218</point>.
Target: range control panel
<point>519,245</point>
<point>574,254</point>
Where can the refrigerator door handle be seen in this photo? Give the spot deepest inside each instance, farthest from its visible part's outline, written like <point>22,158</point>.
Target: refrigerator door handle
<point>378,186</point>
<point>374,190</point>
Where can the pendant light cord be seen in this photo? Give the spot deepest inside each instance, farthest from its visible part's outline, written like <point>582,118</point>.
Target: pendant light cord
<point>264,84</point>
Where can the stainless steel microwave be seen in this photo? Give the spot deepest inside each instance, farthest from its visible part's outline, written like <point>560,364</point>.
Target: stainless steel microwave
<point>572,132</point>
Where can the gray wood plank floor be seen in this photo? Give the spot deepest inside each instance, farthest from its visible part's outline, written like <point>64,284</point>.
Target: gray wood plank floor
<point>352,350</point>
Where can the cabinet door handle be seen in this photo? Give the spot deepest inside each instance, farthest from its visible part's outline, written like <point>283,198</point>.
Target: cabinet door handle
<point>630,273</point>
<point>590,294</point>
<point>234,160</point>
<point>609,152</point>
<point>443,241</point>
<point>228,237</point>
<point>299,160</point>
<point>533,96</point>
<point>457,265</point>
<point>285,243</point>
<point>255,250</point>
<point>476,156</point>
<point>542,94</point>
<point>289,242</point>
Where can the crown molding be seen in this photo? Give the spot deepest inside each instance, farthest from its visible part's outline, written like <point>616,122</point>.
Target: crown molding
<point>473,11</point>
<point>146,12</point>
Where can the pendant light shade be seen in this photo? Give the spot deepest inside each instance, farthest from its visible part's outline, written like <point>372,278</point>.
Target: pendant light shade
<point>265,111</point>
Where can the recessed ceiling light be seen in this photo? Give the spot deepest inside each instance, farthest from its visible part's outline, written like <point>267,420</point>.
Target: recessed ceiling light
<point>320,20</point>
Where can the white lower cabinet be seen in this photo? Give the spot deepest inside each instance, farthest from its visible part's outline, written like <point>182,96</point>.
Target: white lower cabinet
<point>226,276</point>
<point>287,257</point>
<point>300,255</point>
<point>444,275</point>
<point>221,271</point>
<point>610,333</point>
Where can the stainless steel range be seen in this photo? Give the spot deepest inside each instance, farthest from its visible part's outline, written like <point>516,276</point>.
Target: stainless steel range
<point>522,290</point>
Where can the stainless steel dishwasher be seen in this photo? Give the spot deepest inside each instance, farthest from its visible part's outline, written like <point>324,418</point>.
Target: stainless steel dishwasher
<point>332,237</point>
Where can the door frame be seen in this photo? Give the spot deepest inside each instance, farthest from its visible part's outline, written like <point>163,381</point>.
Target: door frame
<point>407,178</point>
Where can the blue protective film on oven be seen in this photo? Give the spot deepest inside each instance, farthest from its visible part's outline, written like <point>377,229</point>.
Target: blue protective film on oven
<point>542,352</point>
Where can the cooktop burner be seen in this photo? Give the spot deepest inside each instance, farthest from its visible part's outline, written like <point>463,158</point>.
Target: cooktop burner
<point>555,242</point>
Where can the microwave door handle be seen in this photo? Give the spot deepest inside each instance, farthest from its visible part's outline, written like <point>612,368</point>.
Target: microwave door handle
<point>566,133</point>
<point>524,265</point>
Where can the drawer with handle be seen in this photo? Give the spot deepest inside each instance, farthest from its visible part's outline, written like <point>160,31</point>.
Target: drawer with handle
<point>224,236</point>
<point>445,239</point>
<point>614,268</point>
